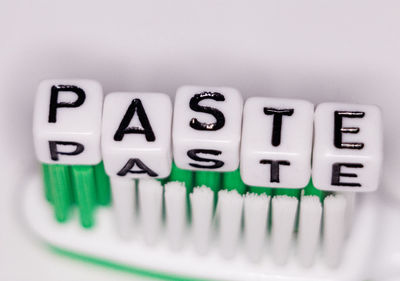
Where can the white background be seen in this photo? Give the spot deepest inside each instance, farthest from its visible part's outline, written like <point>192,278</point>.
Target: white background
<point>320,50</point>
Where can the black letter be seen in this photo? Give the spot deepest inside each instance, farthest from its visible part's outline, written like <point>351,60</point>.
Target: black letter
<point>129,165</point>
<point>54,104</point>
<point>193,155</point>
<point>218,115</point>
<point>135,106</point>
<point>339,130</point>
<point>275,168</point>
<point>277,122</point>
<point>336,174</point>
<point>54,152</point>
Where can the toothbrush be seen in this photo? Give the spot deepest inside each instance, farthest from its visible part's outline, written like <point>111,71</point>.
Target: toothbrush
<point>205,207</point>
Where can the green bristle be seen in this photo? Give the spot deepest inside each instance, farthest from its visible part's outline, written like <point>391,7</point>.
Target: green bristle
<point>291,192</point>
<point>310,190</point>
<point>103,192</point>
<point>233,181</point>
<point>261,190</point>
<point>46,182</point>
<point>84,186</point>
<point>163,180</point>
<point>209,179</point>
<point>60,190</point>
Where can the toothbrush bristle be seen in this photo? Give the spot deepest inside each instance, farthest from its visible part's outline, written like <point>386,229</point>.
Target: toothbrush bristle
<point>350,209</point>
<point>308,236</point>
<point>284,211</point>
<point>150,204</point>
<point>175,207</point>
<point>124,205</point>
<point>256,210</point>
<point>335,228</point>
<point>230,205</point>
<point>202,201</point>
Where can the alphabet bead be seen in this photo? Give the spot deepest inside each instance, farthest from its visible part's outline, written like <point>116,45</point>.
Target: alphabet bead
<point>207,128</point>
<point>67,122</point>
<point>347,152</point>
<point>276,142</point>
<point>136,135</point>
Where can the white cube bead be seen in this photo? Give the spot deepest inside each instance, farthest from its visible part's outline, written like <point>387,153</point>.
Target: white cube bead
<point>207,128</point>
<point>276,142</point>
<point>347,152</point>
<point>67,122</point>
<point>136,135</point>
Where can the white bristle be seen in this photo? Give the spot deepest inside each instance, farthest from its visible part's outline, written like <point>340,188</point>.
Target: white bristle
<point>103,242</point>
<point>350,208</point>
<point>202,203</point>
<point>175,206</point>
<point>334,229</point>
<point>284,209</point>
<point>309,231</point>
<point>230,205</point>
<point>150,203</point>
<point>256,208</point>
<point>124,198</point>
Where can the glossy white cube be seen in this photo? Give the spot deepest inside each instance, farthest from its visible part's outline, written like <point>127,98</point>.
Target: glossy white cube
<point>75,123</point>
<point>155,153</point>
<point>223,142</point>
<point>367,126</point>
<point>292,146</point>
